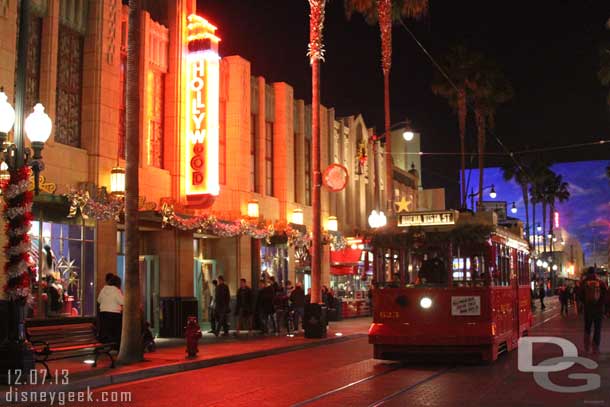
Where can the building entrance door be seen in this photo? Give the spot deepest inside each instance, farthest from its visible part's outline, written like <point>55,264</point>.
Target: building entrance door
<point>149,287</point>
<point>204,271</point>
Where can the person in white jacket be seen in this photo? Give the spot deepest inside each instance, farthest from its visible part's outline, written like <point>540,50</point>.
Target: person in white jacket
<point>110,300</point>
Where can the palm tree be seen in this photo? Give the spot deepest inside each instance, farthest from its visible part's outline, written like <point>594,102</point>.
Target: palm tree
<point>604,67</point>
<point>489,88</point>
<point>518,173</point>
<point>540,174</point>
<point>608,172</point>
<point>461,64</point>
<point>556,191</point>
<point>386,12</point>
<point>131,342</point>
<point>316,54</point>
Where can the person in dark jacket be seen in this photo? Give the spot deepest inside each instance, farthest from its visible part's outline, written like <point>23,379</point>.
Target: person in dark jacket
<point>542,294</point>
<point>593,295</point>
<point>243,307</point>
<point>264,306</point>
<point>223,300</point>
<point>563,299</point>
<point>212,308</point>
<point>297,299</point>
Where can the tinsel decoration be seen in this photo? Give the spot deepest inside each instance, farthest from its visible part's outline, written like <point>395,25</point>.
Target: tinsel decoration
<point>210,224</point>
<point>106,208</point>
<point>384,9</point>
<point>18,217</point>
<point>316,27</point>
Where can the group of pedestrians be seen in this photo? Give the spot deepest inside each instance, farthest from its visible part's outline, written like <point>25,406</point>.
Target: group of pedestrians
<point>268,309</point>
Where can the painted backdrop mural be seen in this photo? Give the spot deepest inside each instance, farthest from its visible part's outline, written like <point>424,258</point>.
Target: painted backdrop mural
<point>586,214</point>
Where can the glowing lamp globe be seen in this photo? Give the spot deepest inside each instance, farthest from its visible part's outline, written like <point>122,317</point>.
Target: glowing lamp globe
<point>297,216</point>
<point>332,224</point>
<point>513,208</point>
<point>373,218</point>
<point>117,181</point>
<point>253,208</point>
<point>492,193</point>
<point>408,135</point>
<point>7,114</point>
<point>38,125</point>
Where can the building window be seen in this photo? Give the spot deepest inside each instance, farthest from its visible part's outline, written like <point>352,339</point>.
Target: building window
<point>69,87</point>
<point>32,80</point>
<point>222,143</point>
<point>66,279</point>
<point>253,153</point>
<point>157,111</point>
<point>269,158</point>
<point>307,159</point>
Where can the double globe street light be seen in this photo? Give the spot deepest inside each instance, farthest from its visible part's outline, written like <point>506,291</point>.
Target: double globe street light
<point>37,128</point>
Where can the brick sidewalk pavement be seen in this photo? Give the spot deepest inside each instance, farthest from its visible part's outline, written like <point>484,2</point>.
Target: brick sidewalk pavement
<point>170,356</point>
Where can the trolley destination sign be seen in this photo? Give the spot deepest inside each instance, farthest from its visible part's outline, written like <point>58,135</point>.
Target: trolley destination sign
<point>436,218</point>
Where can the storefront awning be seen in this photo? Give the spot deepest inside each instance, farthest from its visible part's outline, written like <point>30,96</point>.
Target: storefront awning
<point>343,270</point>
<point>346,256</point>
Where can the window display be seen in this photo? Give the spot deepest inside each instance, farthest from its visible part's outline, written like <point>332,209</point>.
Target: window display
<point>64,270</point>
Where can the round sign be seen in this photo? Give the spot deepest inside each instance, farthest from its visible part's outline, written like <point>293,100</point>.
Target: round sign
<point>335,177</point>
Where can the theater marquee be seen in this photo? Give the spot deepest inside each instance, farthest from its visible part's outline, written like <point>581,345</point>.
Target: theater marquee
<point>202,100</point>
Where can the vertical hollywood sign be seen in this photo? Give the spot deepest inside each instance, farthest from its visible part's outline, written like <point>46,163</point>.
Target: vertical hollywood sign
<point>201,160</point>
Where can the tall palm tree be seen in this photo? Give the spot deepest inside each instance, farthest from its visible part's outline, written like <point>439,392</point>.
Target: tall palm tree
<point>131,341</point>
<point>556,191</point>
<point>518,173</point>
<point>461,65</point>
<point>316,54</point>
<point>604,67</point>
<point>386,12</point>
<point>490,88</point>
<point>540,174</point>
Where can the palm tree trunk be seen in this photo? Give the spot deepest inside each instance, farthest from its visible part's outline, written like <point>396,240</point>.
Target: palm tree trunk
<point>131,343</point>
<point>534,227</point>
<point>462,127</point>
<point>316,53</point>
<point>384,9</point>
<point>544,207</point>
<point>527,214</point>
<point>551,221</point>
<point>480,119</point>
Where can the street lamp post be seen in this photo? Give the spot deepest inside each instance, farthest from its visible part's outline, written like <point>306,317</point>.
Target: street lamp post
<point>15,351</point>
<point>377,218</point>
<point>492,194</point>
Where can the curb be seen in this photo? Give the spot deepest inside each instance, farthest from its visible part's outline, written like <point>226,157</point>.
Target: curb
<point>111,379</point>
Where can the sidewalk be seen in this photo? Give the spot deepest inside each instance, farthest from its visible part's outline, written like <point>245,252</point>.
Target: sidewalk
<point>170,356</point>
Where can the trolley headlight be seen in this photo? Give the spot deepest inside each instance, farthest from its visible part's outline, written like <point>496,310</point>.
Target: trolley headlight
<point>425,302</point>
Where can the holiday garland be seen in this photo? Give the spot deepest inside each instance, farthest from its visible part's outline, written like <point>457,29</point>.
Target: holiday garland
<point>210,224</point>
<point>107,208</point>
<point>18,217</point>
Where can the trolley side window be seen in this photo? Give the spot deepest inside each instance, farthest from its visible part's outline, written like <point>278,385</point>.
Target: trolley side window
<point>502,273</point>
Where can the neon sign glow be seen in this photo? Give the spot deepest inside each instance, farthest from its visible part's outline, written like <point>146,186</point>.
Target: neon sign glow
<point>202,100</point>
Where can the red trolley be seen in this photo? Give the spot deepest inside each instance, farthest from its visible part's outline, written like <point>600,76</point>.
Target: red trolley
<point>449,283</point>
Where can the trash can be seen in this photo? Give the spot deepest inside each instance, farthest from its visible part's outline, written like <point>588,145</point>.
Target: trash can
<point>314,322</point>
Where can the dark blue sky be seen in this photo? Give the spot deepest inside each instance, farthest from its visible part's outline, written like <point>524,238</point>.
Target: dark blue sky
<point>586,214</point>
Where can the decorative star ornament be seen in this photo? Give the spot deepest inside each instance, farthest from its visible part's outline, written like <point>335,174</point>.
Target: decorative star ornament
<point>403,205</point>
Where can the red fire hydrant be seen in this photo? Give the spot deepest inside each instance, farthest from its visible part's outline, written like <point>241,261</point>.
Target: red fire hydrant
<point>192,333</point>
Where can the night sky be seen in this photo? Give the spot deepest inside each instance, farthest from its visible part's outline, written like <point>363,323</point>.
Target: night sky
<point>548,49</point>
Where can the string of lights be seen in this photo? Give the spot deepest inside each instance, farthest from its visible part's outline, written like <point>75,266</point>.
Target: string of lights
<point>520,152</point>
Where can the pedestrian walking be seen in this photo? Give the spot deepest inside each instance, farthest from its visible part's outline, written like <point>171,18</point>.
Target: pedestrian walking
<point>223,300</point>
<point>564,296</point>
<point>542,294</point>
<point>243,307</point>
<point>297,298</point>
<point>593,297</point>
<point>264,306</point>
<point>212,308</point>
<point>110,300</point>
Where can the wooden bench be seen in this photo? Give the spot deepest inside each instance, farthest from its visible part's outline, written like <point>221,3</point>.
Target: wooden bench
<point>57,342</point>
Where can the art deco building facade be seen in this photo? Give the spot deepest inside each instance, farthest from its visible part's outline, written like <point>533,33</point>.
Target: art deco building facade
<point>259,150</point>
